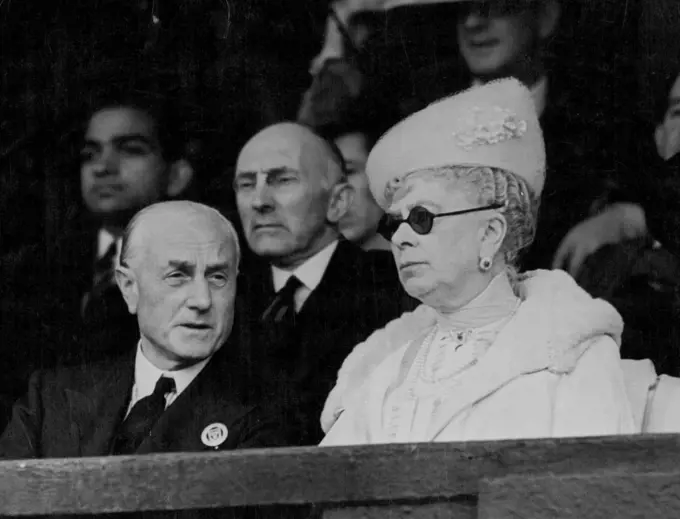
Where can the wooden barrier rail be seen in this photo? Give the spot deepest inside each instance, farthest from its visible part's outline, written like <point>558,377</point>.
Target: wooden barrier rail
<point>613,477</point>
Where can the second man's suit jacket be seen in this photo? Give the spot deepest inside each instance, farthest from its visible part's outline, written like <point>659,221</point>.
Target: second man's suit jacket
<point>358,293</point>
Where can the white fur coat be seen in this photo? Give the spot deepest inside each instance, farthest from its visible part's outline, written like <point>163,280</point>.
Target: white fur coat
<point>553,370</point>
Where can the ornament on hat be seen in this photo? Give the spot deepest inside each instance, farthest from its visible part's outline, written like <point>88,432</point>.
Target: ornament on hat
<point>488,126</point>
<point>493,125</point>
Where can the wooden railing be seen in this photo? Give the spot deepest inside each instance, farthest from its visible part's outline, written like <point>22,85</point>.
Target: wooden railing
<point>616,477</point>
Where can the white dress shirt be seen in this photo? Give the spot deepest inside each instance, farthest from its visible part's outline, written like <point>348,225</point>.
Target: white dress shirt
<point>309,274</point>
<point>147,375</point>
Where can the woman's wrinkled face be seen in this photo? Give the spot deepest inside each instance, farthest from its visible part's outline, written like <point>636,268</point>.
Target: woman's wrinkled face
<point>437,266</point>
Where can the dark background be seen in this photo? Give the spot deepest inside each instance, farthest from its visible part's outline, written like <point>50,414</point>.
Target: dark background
<point>237,66</point>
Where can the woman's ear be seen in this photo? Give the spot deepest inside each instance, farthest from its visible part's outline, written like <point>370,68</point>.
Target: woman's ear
<point>340,201</point>
<point>181,175</point>
<point>127,283</point>
<point>492,236</point>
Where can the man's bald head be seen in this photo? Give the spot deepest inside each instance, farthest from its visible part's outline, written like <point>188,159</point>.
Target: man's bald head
<point>175,221</point>
<point>294,144</point>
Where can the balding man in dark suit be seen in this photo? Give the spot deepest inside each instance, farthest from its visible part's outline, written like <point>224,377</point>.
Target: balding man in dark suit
<point>180,388</point>
<point>309,295</point>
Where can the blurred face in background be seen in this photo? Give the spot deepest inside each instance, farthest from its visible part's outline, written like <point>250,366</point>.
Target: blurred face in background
<point>122,167</point>
<point>667,135</point>
<point>361,221</point>
<point>499,38</point>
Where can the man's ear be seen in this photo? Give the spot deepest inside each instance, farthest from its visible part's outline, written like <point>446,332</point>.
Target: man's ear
<point>127,283</point>
<point>340,201</point>
<point>549,17</point>
<point>492,236</point>
<point>181,175</point>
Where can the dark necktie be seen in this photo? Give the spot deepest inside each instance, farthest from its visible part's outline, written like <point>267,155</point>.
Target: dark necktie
<point>281,312</point>
<point>104,278</point>
<point>142,417</point>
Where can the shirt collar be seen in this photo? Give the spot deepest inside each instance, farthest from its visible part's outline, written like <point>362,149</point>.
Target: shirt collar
<point>146,374</point>
<point>539,93</point>
<point>104,241</point>
<point>310,272</point>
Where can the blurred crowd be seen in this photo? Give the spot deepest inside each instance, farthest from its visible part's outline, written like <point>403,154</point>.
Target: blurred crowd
<point>273,269</point>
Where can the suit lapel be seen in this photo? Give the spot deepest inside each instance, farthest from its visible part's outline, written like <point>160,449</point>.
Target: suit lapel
<point>76,253</point>
<point>334,281</point>
<point>258,292</point>
<point>325,298</point>
<point>106,405</point>
<point>210,399</point>
<point>256,288</point>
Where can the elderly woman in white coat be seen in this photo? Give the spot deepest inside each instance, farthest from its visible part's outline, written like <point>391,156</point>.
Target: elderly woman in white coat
<point>490,354</point>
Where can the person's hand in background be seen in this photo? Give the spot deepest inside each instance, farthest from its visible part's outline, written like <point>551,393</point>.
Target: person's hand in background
<point>615,224</point>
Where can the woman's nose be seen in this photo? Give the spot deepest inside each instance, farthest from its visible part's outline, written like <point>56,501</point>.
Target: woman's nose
<point>404,235</point>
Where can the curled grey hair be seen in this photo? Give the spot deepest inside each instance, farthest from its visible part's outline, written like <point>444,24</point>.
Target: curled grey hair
<point>127,249</point>
<point>487,186</point>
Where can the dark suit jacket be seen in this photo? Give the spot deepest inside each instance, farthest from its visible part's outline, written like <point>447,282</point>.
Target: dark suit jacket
<point>41,321</point>
<point>74,412</point>
<point>358,294</point>
<point>658,191</point>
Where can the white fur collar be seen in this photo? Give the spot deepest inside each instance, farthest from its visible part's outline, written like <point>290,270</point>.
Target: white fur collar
<point>551,328</point>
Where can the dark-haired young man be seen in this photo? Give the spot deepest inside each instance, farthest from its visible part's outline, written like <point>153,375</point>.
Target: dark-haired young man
<point>62,305</point>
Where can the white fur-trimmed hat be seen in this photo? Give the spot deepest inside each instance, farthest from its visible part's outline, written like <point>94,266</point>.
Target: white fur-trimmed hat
<point>494,125</point>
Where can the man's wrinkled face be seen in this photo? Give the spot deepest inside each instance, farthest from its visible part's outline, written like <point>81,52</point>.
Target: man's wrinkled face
<point>122,167</point>
<point>495,35</point>
<point>281,194</point>
<point>186,289</point>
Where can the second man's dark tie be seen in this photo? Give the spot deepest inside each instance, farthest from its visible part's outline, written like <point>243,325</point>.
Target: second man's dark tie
<point>142,417</point>
<point>281,311</point>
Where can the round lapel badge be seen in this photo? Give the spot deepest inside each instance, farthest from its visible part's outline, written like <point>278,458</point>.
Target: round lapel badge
<point>214,435</point>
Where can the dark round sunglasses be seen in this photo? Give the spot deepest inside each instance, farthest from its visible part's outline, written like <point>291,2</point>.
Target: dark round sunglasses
<point>421,220</point>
